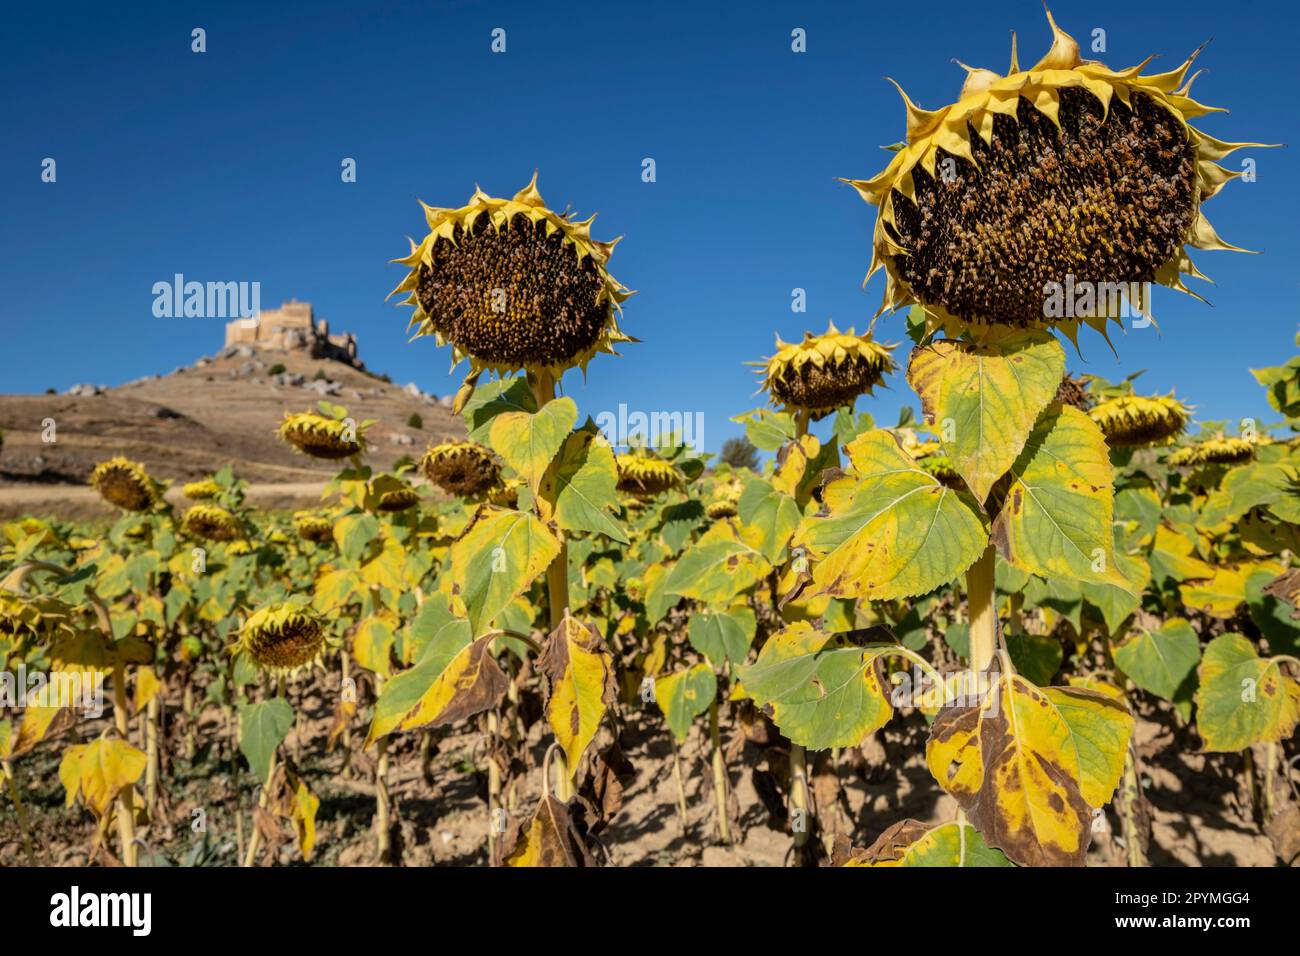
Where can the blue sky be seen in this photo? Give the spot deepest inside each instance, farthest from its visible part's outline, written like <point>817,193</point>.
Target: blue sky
<point>225,166</point>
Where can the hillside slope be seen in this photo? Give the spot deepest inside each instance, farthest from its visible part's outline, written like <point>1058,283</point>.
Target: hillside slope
<point>182,426</point>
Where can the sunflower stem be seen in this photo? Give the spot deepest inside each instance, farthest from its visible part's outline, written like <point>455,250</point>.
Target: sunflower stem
<point>557,581</point>
<point>20,811</point>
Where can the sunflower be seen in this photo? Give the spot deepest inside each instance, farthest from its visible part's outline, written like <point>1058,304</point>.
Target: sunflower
<point>397,499</point>
<point>126,484</point>
<point>1067,171</point>
<point>720,509</point>
<point>313,528</point>
<point>211,523</point>
<point>825,372</point>
<point>1214,451</point>
<point>646,476</point>
<point>1138,421</point>
<point>461,468</point>
<point>321,437</point>
<point>282,637</point>
<point>1073,391</point>
<point>36,618</point>
<point>512,285</point>
<point>203,490</point>
<point>505,494</point>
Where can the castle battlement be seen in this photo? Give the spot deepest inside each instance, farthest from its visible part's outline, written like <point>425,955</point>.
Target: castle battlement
<point>293,328</point>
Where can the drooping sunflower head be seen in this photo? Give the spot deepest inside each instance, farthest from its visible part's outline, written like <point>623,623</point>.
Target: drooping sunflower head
<point>211,523</point>
<point>204,490</point>
<point>1140,421</point>
<point>1073,391</point>
<point>513,285</point>
<point>462,468</point>
<point>825,372</point>
<point>1066,176</point>
<point>506,494</point>
<point>36,618</point>
<point>319,437</point>
<point>282,637</point>
<point>722,508</point>
<point>313,528</point>
<point>126,484</point>
<point>398,499</point>
<point>644,476</point>
<point>1214,451</point>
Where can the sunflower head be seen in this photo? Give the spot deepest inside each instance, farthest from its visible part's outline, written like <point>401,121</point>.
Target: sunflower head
<point>126,484</point>
<point>825,372</point>
<point>646,477</point>
<point>505,494</point>
<point>1073,391</point>
<point>33,618</point>
<point>462,468</point>
<point>211,523</point>
<point>1063,174</point>
<point>1139,421</point>
<point>722,508</point>
<point>1214,451</point>
<point>204,490</point>
<point>397,499</point>
<point>320,437</point>
<point>282,637</point>
<point>313,528</point>
<point>512,285</point>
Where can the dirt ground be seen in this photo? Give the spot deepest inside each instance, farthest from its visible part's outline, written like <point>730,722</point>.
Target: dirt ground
<point>1201,813</point>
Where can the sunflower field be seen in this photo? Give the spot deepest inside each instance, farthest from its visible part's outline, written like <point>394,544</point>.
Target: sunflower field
<point>1029,591</point>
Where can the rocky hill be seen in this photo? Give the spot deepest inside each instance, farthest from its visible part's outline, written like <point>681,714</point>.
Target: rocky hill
<point>223,409</point>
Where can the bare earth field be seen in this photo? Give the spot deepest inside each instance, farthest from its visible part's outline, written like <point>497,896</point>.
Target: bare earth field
<point>1200,812</point>
<point>194,421</point>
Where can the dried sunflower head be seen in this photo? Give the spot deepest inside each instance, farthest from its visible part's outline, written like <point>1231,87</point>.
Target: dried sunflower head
<point>506,494</point>
<point>37,618</point>
<point>1139,421</point>
<point>825,372</point>
<point>126,484</point>
<point>461,468</point>
<point>1073,391</point>
<point>1214,451</point>
<point>313,528</point>
<point>1065,173</point>
<point>203,490</point>
<point>321,437</point>
<point>723,508</point>
<point>282,637</point>
<point>645,476</point>
<point>513,285</point>
<point>397,499</point>
<point>211,523</point>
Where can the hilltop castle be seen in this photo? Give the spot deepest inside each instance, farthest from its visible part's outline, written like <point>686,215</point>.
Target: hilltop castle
<point>293,328</point>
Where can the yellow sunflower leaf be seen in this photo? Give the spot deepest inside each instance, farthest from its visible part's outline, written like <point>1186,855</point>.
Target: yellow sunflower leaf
<point>1029,764</point>
<point>578,673</point>
<point>99,770</point>
<point>889,529</point>
<point>1243,698</point>
<point>1219,596</point>
<point>497,560</point>
<point>1056,520</point>
<point>982,400</point>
